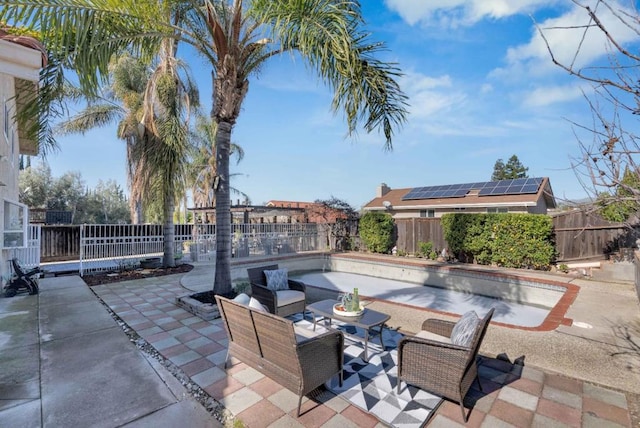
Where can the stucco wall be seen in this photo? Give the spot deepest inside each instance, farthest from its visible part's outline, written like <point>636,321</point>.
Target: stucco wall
<point>16,62</point>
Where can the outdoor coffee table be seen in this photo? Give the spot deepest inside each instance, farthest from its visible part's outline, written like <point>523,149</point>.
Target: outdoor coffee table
<point>368,320</point>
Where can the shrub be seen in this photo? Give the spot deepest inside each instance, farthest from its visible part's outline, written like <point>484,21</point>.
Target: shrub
<point>376,231</point>
<point>424,249</point>
<point>508,240</point>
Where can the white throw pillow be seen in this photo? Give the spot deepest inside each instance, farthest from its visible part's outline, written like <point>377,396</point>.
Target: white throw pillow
<point>255,304</point>
<point>242,298</point>
<point>462,333</point>
<point>277,279</point>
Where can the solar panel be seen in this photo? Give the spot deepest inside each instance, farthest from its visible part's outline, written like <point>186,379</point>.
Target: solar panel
<point>517,186</point>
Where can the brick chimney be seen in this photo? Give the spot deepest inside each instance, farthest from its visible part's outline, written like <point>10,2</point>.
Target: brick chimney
<point>383,189</point>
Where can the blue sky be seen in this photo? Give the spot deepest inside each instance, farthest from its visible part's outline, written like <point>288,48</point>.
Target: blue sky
<point>481,87</point>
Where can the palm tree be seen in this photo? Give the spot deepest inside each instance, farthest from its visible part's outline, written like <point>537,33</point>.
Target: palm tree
<point>120,102</point>
<point>202,170</point>
<point>161,156</point>
<point>237,38</point>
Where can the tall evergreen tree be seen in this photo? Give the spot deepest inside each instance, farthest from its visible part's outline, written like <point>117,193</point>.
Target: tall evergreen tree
<point>509,171</point>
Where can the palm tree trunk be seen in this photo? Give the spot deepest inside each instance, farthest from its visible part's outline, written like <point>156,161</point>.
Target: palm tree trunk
<point>222,282</point>
<point>168,230</point>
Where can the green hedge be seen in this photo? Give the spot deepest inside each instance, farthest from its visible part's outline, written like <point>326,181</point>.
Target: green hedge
<point>376,231</point>
<point>508,240</point>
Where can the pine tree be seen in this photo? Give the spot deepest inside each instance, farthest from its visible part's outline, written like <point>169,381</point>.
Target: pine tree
<point>511,170</point>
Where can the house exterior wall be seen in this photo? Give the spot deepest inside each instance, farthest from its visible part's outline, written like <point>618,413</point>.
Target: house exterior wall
<point>17,64</point>
<point>439,212</point>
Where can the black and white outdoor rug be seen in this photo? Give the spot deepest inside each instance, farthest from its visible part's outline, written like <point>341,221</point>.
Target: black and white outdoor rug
<point>372,386</point>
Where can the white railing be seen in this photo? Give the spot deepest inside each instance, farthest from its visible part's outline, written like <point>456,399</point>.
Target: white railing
<point>112,247</point>
<point>28,256</point>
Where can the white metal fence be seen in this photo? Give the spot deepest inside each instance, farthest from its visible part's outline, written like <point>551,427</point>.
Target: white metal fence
<point>112,247</point>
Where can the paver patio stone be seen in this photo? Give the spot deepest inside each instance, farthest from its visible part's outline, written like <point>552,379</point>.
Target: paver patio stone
<point>240,400</point>
<point>209,376</point>
<point>440,421</point>
<point>591,421</point>
<point>609,396</point>
<point>223,387</point>
<point>285,399</point>
<point>518,398</point>
<point>286,421</point>
<point>605,411</point>
<point>198,342</point>
<point>265,387</point>
<point>197,366</point>
<point>313,415</point>
<point>262,413</point>
<point>541,421</point>
<point>162,342</point>
<point>527,385</point>
<point>492,422</point>
<point>185,357</point>
<point>562,397</point>
<point>248,375</point>
<point>564,383</point>
<point>511,413</point>
<point>559,412</point>
<point>355,414</point>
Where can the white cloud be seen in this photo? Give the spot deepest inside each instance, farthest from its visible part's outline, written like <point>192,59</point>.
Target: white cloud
<point>452,13</point>
<point>568,41</point>
<point>548,95</point>
<point>430,96</point>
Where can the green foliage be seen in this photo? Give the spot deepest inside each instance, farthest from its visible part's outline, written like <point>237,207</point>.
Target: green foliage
<point>562,267</point>
<point>401,253</point>
<point>620,206</point>
<point>508,240</point>
<point>106,203</point>
<point>424,249</point>
<point>376,231</point>
<point>511,170</point>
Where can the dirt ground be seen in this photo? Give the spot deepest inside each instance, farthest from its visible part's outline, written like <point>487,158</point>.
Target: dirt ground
<point>109,277</point>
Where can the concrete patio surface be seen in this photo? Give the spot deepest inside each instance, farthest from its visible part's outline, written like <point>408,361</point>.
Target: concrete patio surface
<point>67,362</point>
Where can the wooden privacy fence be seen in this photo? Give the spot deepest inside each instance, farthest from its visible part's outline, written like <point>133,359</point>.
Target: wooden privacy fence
<point>579,235</point>
<point>582,234</point>
<point>411,232</point>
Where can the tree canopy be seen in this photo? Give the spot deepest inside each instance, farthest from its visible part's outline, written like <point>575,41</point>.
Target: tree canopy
<point>105,204</point>
<point>509,171</point>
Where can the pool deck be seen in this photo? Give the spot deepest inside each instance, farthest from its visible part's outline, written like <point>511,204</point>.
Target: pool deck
<point>64,346</point>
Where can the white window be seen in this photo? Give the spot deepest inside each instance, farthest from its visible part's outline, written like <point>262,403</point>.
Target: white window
<point>427,213</point>
<point>15,225</point>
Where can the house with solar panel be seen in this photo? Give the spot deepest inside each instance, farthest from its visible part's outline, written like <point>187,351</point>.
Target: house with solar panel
<point>521,195</point>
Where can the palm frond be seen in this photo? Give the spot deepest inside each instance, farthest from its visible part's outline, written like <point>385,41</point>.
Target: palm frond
<point>329,36</point>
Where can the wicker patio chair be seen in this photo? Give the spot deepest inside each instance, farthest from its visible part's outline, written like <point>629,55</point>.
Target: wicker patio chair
<point>281,302</point>
<point>441,368</point>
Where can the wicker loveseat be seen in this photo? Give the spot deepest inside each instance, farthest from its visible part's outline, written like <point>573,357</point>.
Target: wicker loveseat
<point>281,302</point>
<point>444,369</point>
<point>269,344</point>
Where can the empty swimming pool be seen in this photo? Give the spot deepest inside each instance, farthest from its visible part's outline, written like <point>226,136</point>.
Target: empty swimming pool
<point>425,296</point>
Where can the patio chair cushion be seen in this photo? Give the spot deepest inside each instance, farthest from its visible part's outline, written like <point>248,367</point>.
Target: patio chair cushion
<point>277,279</point>
<point>255,304</point>
<point>432,336</point>
<point>242,298</point>
<point>287,297</point>
<point>462,332</point>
